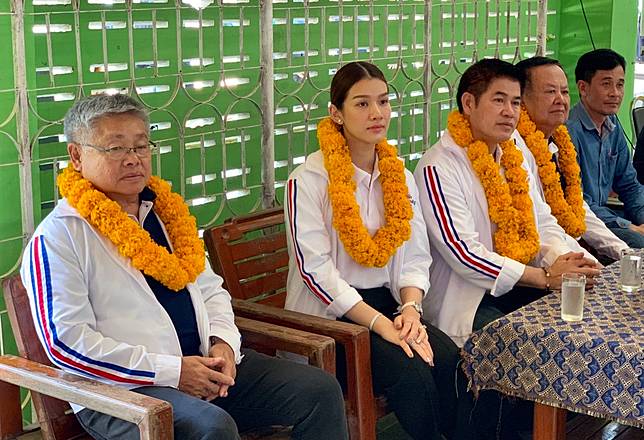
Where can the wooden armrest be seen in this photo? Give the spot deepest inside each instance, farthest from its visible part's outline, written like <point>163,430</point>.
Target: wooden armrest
<point>320,350</point>
<point>338,330</point>
<point>153,416</point>
<point>355,341</point>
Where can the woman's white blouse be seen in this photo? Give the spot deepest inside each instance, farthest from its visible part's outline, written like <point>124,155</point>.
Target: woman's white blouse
<point>322,277</point>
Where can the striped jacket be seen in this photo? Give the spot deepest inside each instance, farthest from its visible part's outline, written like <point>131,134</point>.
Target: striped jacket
<point>597,233</point>
<point>96,315</point>
<point>322,277</point>
<point>460,232</point>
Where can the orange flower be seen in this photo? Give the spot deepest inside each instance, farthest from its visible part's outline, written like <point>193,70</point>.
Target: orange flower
<point>568,209</point>
<point>509,203</point>
<point>174,270</point>
<point>366,250</point>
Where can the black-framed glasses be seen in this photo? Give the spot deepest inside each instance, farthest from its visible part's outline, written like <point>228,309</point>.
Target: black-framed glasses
<point>119,153</point>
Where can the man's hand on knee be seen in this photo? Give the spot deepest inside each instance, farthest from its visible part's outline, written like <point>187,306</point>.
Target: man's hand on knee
<point>204,377</point>
<point>226,357</point>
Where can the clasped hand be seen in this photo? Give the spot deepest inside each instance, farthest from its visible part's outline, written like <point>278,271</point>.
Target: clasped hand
<point>573,262</point>
<point>409,333</point>
<point>209,377</point>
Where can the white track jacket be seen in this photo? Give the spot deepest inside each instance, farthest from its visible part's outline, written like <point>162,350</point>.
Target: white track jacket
<point>322,277</point>
<point>96,315</point>
<point>461,235</point>
<point>597,233</point>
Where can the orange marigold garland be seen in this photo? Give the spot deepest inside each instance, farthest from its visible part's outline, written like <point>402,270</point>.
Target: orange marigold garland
<point>366,250</point>
<point>568,210</point>
<point>509,203</point>
<point>173,270</point>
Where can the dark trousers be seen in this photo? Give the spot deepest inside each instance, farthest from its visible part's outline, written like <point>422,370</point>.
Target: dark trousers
<point>422,397</point>
<point>494,415</point>
<point>267,391</point>
<point>492,308</point>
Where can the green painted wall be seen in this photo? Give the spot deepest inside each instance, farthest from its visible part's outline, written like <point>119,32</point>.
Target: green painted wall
<point>613,24</point>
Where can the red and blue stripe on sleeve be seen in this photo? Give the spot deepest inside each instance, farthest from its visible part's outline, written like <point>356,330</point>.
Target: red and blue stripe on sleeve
<point>309,280</point>
<point>59,352</point>
<point>448,232</point>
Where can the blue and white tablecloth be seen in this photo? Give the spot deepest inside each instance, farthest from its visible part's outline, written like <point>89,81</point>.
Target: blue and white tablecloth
<point>595,366</point>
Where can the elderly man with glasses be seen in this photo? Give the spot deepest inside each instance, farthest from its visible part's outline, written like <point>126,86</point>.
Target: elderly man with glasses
<point>120,292</point>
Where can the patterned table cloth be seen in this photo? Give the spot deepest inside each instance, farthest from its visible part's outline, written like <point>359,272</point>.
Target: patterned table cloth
<point>595,366</point>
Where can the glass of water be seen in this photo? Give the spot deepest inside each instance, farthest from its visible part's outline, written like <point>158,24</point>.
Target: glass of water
<point>630,278</point>
<point>572,296</point>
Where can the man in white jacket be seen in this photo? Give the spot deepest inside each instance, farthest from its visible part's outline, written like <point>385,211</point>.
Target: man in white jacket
<point>473,281</point>
<point>546,101</point>
<point>120,292</point>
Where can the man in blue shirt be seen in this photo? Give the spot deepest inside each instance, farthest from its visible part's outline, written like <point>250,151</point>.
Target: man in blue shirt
<point>603,155</point>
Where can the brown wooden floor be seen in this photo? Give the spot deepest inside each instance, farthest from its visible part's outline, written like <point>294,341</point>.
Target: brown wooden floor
<point>579,427</point>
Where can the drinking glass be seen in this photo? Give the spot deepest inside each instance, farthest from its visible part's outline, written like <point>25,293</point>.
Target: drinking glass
<point>572,296</point>
<point>630,278</point>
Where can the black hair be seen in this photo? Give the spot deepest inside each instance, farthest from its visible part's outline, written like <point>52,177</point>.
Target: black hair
<point>348,75</point>
<point>598,59</point>
<point>525,66</point>
<point>478,77</point>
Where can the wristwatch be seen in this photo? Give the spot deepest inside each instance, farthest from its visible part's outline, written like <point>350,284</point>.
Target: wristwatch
<point>414,305</point>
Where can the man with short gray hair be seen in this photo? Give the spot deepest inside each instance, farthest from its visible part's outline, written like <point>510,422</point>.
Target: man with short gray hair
<point>120,291</point>
<point>81,117</point>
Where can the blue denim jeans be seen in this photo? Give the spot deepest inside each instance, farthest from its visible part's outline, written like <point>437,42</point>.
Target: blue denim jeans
<point>631,238</point>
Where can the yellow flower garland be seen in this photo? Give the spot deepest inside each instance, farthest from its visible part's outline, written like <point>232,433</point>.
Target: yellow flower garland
<point>366,250</point>
<point>509,203</point>
<point>174,270</point>
<point>568,210</point>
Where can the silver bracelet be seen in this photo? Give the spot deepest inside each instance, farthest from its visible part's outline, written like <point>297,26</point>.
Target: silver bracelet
<point>373,320</point>
<point>416,306</point>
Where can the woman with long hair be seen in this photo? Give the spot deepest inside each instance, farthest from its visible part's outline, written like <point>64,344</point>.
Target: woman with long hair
<point>359,251</point>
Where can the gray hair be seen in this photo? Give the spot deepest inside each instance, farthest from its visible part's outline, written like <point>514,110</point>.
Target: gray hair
<point>80,119</point>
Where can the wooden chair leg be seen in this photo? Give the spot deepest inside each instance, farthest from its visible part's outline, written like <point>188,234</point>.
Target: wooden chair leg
<point>10,411</point>
<point>549,423</point>
<point>361,410</point>
<point>157,425</point>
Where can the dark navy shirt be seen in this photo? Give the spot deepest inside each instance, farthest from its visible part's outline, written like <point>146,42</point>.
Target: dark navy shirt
<point>177,304</point>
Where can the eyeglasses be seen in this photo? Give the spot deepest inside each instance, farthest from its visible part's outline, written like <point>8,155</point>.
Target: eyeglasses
<point>119,153</point>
